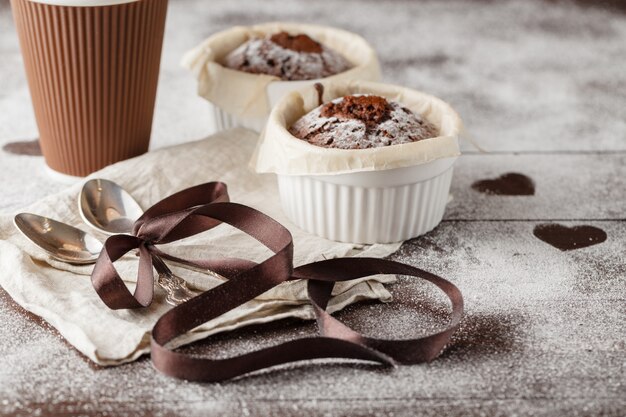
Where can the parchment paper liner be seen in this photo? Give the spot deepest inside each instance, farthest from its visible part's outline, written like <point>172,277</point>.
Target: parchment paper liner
<point>244,95</point>
<point>281,153</point>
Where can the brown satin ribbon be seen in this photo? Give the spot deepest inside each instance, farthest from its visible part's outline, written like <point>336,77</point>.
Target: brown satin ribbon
<point>203,207</point>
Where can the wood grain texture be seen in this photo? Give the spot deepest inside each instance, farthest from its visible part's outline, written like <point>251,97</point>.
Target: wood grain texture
<point>541,86</point>
<point>543,334</point>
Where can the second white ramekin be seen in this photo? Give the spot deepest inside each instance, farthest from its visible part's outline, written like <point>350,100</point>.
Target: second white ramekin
<point>369,207</point>
<point>220,120</point>
<point>242,99</point>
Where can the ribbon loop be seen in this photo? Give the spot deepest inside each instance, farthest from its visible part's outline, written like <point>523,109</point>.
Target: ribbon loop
<point>171,219</point>
<point>205,206</point>
<point>108,283</point>
<point>408,351</point>
<point>185,199</point>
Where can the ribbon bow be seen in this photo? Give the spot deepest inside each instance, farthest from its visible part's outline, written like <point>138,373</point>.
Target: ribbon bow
<point>169,220</point>
<point>203,207</point>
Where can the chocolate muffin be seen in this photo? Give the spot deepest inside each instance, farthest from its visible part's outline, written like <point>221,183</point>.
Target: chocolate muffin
<point>290,57</point>
<point>362,122</point>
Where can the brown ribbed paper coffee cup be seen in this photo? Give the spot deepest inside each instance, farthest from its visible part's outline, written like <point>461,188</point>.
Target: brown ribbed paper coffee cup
<point>92,73</point>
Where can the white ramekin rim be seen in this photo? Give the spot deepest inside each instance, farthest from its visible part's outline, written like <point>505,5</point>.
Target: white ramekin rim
<point>386,178</point>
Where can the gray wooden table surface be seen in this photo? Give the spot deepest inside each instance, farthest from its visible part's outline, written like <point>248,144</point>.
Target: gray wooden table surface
<point>541,85</point>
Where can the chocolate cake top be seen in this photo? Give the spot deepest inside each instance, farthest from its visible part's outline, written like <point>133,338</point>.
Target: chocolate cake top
<point>289,57</point>
<point>298,43</point>
<point>362,122</point>
<point>369,109</point>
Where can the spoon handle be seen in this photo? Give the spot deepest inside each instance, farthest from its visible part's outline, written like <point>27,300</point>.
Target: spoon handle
<point>175,287</point>
<point>196,269</point>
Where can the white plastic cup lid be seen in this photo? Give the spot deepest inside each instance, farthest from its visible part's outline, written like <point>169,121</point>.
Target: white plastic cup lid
<point>83,3</point>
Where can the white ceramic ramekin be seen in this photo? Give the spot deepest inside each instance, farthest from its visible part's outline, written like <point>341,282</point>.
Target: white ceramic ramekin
<point>220,120</point>
<point>369,207</point>
<point>375,195</point>
<point>241,99</point>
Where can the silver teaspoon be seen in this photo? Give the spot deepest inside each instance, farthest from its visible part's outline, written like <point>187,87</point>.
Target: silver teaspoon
<point>68,244</point>
<point>107,207</point>
<point>61,241</point>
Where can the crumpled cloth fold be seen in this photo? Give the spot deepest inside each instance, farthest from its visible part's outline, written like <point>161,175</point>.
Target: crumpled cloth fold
<point>63,295</point>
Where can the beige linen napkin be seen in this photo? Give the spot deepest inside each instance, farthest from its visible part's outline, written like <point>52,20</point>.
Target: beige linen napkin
<point>62,294</point>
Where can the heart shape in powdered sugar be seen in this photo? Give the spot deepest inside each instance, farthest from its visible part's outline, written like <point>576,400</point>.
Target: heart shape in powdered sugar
<point>569,238</point>
<point>511,183</point>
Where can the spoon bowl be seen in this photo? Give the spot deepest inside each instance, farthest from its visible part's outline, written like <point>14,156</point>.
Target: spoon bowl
<point>61,241</point>
<point>107,207</point>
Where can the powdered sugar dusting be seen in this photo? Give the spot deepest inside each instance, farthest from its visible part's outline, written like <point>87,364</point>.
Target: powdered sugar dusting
<point>402,126</point>
<point>544,330</point>
<point>262,56</point>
